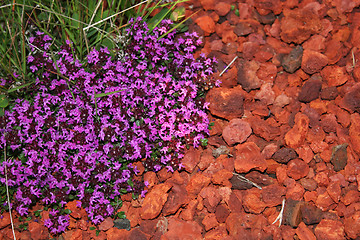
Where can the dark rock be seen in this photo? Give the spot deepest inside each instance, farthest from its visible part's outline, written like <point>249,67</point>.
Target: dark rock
<point>329,93</point>
<point>266,19</point>
<point>292,212</point>
<point>243,28</point>
<point>221,213</point>
<point>310,90</point>
<point>311,214</point>
<point>339,157</point>
<point>284,155</point>
<point>351,100</point>
<point>122,224</point>
<point>292,61</point>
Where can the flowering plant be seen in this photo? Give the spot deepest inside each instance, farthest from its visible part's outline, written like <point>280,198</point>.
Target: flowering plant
<point>89,121</point>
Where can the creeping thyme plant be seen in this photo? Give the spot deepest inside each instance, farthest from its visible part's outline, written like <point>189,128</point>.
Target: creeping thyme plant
<point>91,120</point>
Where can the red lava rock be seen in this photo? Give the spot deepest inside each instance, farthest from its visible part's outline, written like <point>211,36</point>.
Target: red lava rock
<point>38,231</point>
<point>354,132</point>
<point>244,27</point>
<point>206,159</point>
<point>246,226</point>
<point>305,153</point>
<point>296,136</point>
<point>117,234</point>
<point>266,95</point>
<point>264,6</point>
<point>334,51</point>
<point>324,201</point>
<point>219,233</point>
<point>294,190</point>
<point>106,224</point>
<point>211,198</point>
<point>297,169</point>
<point>72,234</point>
<point>207,24</point>
<point>237,131</point>
<point>330,229</point>
<point>5,220</point>
<point>284,155</point>
<point>329,93</point>
<point>310,90</point>
<point>210,221</point>
<point>221,213</point>
<point>304,233</point>
<point>177,198</point>
<point>312,61</point>
<point>269,150</point>
<point>229,79</point>
<point>308,184</point>
<point>352,225</point>
<point>208,4</point>
<point>292,61</point>
<point>154,201</point>
<point>76,212</point>
<point>322,178</point>
<point>189,230</point>
<point>247,77</point>
<point>248,157</point>
<point>188,213</point>
<point>222,177</point>
<point>265,129</point>
<point>191,159</point>
<point>252,201</point>
<point>222,8</point>
<point>298,25</point>
<point>334,191</point>
<point>272,195</point>
<point>226,103</point>
<point>351,197</point>
<point>351,100</point>
<point>196,183</point>
<point>335,75</point>
<point>315,43</point>
<point>25,235</point>
<point>329,123</point>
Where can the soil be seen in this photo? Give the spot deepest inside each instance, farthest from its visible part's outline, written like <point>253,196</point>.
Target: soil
<point>283,155</point>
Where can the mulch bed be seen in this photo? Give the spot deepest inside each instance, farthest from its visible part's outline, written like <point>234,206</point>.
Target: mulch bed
<point>285,140</point>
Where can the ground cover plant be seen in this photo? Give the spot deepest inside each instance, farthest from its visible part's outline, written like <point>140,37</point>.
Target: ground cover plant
<point>89,119</point>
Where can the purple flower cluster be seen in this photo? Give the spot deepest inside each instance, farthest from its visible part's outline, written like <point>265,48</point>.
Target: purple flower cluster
<point>89,121</point>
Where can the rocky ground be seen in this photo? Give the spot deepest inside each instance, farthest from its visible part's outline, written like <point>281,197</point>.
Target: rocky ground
<point>286,139</point>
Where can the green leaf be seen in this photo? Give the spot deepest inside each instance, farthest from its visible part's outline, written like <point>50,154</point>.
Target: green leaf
<point>106,94</point>
<point>204,142</point>
<point>20,87</point>
<point>28,219</point>
<point>67,211</point>
<point>177,14</point>
<point>92,228</point>
<point>4,101</point>
<point>120,215</point>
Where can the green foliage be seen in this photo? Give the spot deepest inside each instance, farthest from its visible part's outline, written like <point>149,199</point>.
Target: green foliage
<point>88,24</point>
